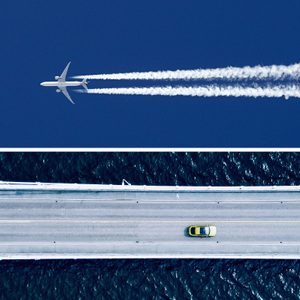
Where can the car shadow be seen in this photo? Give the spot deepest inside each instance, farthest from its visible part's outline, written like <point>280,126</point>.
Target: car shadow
<point>186,232</point>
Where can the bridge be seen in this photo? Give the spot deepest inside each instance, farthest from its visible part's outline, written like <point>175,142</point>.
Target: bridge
<point>48,220</point>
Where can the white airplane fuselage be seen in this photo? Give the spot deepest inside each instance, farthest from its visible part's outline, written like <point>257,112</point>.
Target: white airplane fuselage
<point>61,84</point>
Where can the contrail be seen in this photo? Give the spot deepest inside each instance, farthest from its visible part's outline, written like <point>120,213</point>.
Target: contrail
<point>205,91</point>
<point>275,72</point>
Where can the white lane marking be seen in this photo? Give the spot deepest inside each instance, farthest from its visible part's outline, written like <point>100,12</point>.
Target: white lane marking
<point>181,201</point>
<point>183,243</point>
<point>189,221</point>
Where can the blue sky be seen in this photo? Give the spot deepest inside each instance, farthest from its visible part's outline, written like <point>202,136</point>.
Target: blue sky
<point>38,38</point>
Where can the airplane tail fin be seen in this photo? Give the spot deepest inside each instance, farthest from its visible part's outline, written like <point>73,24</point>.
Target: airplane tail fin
<point>84,83</point>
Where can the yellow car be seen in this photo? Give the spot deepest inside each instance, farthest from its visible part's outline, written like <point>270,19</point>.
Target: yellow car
<point>202,231</point>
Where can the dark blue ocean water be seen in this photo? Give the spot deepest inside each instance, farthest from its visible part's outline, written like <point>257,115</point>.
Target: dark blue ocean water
<point>152,279</point>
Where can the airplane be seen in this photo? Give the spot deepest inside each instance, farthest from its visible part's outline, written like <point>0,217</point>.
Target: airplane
<point>62,84</point>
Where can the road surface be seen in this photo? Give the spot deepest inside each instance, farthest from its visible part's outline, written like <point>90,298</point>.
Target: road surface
<point>103,221</point>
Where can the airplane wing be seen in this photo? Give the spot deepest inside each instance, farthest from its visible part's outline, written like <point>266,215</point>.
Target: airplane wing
<point>64,73</point>
<point>65,92</point>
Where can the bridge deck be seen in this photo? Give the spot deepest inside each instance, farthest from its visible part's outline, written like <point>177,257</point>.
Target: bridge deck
<point>99,221</point>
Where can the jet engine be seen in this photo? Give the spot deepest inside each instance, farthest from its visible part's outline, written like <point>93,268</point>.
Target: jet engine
<point>56,77</point>
<point>58,91</point>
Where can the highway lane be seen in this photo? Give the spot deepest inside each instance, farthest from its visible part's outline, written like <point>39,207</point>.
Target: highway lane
<point>143,224</point>
<point>99,210</point>
<point>69,231</point>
